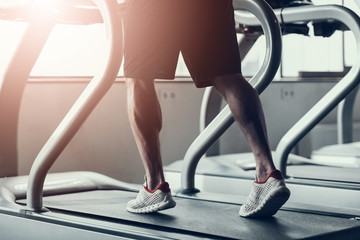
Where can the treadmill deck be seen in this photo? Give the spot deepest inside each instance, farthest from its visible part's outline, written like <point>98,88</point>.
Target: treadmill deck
<point>215,219</point>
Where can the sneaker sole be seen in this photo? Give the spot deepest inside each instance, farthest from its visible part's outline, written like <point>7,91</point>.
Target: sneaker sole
<point>271,204</point>
<point>169,203</point>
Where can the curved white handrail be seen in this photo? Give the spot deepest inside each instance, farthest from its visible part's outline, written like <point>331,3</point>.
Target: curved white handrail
<point>82,108</point>
<point>13,80</point>
<point>260,81</point>
<point>337,93</point>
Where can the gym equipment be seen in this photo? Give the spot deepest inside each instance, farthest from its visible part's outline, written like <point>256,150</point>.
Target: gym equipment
<point>83,205</point>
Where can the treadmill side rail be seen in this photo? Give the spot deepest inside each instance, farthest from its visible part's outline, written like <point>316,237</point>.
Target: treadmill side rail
<point>339,92</point>
<point>82,108</point>
<point>260,81</point>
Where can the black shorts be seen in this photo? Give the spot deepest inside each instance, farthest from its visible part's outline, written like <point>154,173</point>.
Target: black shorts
<point>155,31</point>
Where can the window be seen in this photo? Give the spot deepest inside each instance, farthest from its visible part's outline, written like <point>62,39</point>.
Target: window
<point>74,50</point>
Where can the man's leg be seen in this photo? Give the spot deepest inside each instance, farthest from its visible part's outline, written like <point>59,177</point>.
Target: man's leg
<point>245,105</point>
<point>145,118</point>
<point>146,121</point>
<point>269,192</point>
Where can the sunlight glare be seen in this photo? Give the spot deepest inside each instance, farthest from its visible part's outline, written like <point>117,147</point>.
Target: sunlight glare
<point>43,4</point>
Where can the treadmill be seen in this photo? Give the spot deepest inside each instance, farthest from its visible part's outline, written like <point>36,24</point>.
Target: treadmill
<point>310,182</point>
<point>87,205</point>
<point>346,151</point>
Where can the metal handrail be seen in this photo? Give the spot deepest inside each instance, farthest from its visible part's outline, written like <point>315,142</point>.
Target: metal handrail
<point>41,17</point>
<point>13,80</point>
<point>339,92</point>
<point>260,81</point>
<point>82,108</point>
<point>345,113</point>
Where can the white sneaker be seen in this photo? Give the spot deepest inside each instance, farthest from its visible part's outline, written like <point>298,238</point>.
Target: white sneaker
<point>266,198</point>
<point>152,201</point>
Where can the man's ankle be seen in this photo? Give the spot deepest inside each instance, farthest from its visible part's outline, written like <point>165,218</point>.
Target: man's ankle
<point>263,174</point>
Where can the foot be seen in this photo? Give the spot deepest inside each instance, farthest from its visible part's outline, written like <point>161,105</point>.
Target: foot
<point>267,197</point>
<point>152,201</point>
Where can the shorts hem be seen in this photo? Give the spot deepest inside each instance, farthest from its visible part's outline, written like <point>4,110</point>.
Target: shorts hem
<point>209,81</point>
<point>149,76</point>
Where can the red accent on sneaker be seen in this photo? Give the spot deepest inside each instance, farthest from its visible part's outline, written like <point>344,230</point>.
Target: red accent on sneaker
<point>275,174</point>
<point>164,187</point>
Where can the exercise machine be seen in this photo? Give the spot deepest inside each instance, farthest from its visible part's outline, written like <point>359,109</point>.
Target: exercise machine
<point>86,205</point>
<point>310,183</point>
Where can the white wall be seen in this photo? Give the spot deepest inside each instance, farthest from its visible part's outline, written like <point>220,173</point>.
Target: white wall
<point>104,143</point>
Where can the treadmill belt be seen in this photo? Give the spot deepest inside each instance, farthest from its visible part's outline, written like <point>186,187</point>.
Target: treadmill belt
<point>213,218</point>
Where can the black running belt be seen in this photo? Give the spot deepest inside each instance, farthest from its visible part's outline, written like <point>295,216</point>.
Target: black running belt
<point>213,218</point>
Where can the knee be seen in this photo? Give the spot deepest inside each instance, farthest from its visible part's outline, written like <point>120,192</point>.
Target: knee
<point>232,83</point>
<point>138,83</point>
<point>228,80</point>
<point>136,88</point>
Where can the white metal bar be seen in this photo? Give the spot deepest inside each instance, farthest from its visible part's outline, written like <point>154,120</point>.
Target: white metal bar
<point>12,85</point>
<point>337,93</point>
<point>82,108</point>
<point>260,81</point>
